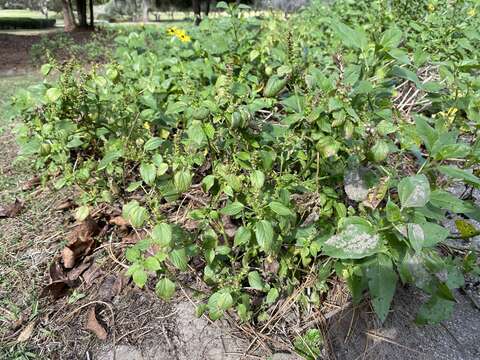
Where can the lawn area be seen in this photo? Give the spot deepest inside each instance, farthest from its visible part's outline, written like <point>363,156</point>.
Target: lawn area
<point>25,13</point>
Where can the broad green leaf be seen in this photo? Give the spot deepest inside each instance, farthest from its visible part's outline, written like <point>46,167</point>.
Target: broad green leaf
<point>179,259</point>
<point>53,94</point>
<point>426,235</point>
<point>391,38</point>
<point>434,311</point>
<point>257,179</point>
<point>232,209</point>
<point>140,277</point>
<point>356,38</point>
<point>280,209</point>
<point>135,214</point>
<point>426,132</point>
<point>151,263</point>
<point>355,241</point>
<point>162,234</point>
<point>242,236</point>
<point>165,288</point>
<point>447,201</point>
<point>264,235</point>
<point>382,282</point>
<point>272,296</point>
<point>393,211</point>
<point>148,172</point>
<point>457,173</point>
<point>207,182</point>
<point>255,281</point>
<point>182,180</point>
<point>219,302</point>
<point>109,157</point>
<point>152,144</point>
<point>466,229</point>
<point>414,191</point>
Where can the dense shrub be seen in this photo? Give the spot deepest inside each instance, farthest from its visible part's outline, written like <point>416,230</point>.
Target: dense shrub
<point>7,23</point>
<point>274,154</point>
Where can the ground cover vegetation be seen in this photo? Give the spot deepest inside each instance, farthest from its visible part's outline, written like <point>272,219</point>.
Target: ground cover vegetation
<point>273,155</point>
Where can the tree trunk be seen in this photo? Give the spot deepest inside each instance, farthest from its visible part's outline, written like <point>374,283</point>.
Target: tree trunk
<point>207,8</point>
<point>145,10</point>
<point>68,21</point>
<point>82,13</point>
<point>91,14</point>
<point>196,11</point>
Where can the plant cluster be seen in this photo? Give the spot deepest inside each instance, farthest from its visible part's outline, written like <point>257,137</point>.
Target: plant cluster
<point>268,153</point>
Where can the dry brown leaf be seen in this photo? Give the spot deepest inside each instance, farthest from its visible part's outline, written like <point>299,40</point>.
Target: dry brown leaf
<point>68,257</point>
<point>119,221</point>
<point>65,205</point>
<point>11,210</point>
<point>229,227</point>
<point>75,273</point>
<point>111,286</point>
<point>134,237</point>
<point>56,271</point>
<point>27,332</point>
<point>91,275</point>
<point>30,184</point>
<point>94,326</point>
<point>57,289</point>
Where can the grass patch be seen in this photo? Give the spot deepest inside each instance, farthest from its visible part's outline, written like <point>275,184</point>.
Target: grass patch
<point>25,14</point>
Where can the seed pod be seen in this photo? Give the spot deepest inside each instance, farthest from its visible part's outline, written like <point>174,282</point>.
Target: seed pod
<point>274,85</point>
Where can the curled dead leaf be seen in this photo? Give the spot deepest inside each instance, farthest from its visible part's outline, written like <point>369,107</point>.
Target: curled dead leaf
<point>111,286</point>
<point>57,289</point>
<point>27,332</point>
<point>65,205</point>
<point>119,221</point>
<point>94,326</point>
<point>134,237</point>
<point>11,210</point>
<point>30,184</point>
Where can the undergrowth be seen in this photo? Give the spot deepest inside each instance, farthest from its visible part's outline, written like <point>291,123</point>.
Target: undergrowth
<point>269,152</point>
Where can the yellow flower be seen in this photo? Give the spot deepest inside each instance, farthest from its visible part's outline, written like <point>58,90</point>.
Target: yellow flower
<point>146,125</point>
<point>184,38</point>
<point>179,34</point>
<point>171,31</point>
<point>431,7</point>
<point>471,12</point>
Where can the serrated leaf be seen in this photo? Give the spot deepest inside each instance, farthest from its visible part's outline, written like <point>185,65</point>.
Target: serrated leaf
<point>140,277</point>
<point>182,180</point>
<point>165,289</point>
<point>148,172</point>
<point>355,241</point>
<point>280,209</point>
<point>219,302</point>
<point>162,234</point>
<point>242,236</point>
<point>257,178</point>
<point>447,201</point>
<point>179,259</point>
<point>264,235</point>
<point>109,158</point>
<point>382,282</point>
<point>135,214</point>
<point>152,144</point>
<point>232,209</point>
<point>255,281</point>
<point>272,296</point>
<point>53,94</point>
<point>414,191</point>
<point>391,38</point>
<point>151,263</point>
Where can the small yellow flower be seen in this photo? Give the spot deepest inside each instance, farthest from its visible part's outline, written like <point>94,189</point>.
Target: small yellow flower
<point>179,34</point>
<point>431,7</point>
<point>146,125</point>
<point>471,12</point>
<point>184,38</point>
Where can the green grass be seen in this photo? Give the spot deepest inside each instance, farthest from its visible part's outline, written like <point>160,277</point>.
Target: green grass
<point>9,85</point>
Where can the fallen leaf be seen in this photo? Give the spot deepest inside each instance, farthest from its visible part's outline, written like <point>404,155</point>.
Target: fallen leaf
<point>57,289</point>
<point>27,332</point>
<point>30,184</point>
<point>229,227</point>
<point>80,242</point>
<point>76,272</point>
<point>134,237</point>
<point>94,326</point>
<point>111,286</point>
<point>56,271</point>
<point>68,257</point>
<point>119,221</point>
<point>11,210</point>
<point>65,205</point>
<point>90,275</point>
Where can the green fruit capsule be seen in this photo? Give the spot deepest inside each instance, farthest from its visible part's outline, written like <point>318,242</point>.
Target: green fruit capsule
<point>274,85</point>
<point>201,113</point>
<point>380,151</point>
<point>236,120</point>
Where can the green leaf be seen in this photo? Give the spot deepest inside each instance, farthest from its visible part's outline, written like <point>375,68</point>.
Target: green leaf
<point>162,234</point>
<point>140,277</point>
<point>434,311</point>
<point>207,182</point>
<point>393,211</point>
<point>53,94</point>
<point>135,214</point>
<point>272,296</point>
<point>257,179</point>
<point>264,235</point>
<point>426,132</point>
<point>151,263</point>
<point>414,191</point>
<point>457,173</point>
<point>465,228</point>
<point>109,157</point>
<point>382,282</point>
<point>391,38</point>
<point>446,201</point>
<point>82,213</point>
<point>178,257</point>
<point>218,303</point>
<point>182,180</point>
<point>45,69</point>
<point>425,235</point>
<point>355,241</point>
<point>280,209</point>
<point>152,144</point>
<point>255,281</point>
<point>352,38</point>
<point>165,288</point>
<point>232,209</point>
<point>148,172</point>
<point>242,236</point>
